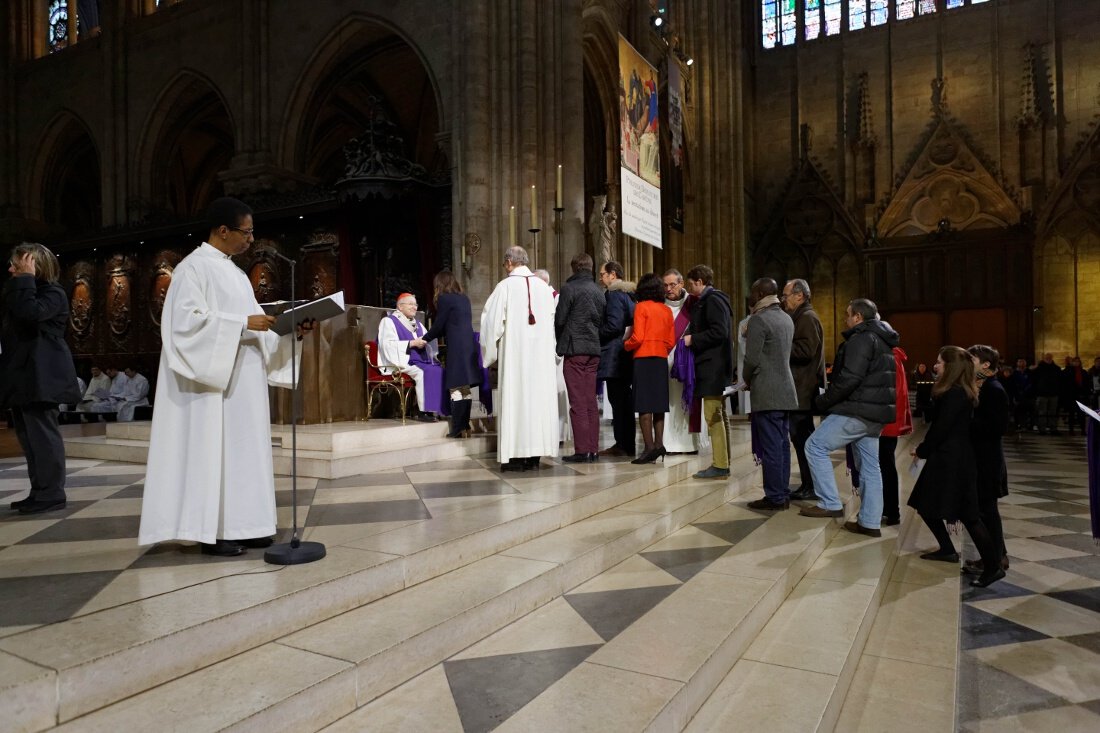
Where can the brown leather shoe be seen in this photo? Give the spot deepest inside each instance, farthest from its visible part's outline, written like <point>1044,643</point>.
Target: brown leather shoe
<point>614,451</point>
<point>819,513</point>
<point>857,528</point>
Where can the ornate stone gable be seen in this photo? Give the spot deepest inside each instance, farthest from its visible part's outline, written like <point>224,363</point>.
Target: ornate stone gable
<point>1078,192</point>
<point>946,185</point>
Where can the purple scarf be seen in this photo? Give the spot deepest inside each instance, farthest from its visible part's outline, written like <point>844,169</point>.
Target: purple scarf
<point>683,370</point>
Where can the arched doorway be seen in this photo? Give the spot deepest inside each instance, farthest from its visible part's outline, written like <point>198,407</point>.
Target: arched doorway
<point>66,190</point>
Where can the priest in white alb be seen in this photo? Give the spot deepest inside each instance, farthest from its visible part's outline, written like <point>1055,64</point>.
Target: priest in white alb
<point>683,426</point>
<point>517,334</point>
<point>209,477</point>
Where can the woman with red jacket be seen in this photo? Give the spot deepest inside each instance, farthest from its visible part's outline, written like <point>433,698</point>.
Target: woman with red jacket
<point>651,340</point>
<point>888,442</point>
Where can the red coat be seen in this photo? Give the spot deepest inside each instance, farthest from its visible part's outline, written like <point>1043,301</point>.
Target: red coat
<point>653,333</point>
<point>903,423</point>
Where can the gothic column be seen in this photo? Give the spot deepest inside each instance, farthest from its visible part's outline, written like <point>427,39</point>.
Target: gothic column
<point>114,153</point>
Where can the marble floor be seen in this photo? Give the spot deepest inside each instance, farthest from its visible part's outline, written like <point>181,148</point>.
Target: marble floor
<point>628,641</point>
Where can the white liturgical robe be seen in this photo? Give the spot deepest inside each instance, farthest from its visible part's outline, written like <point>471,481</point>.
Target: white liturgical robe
<point>393,353</point>
<point>210,469</point>
<point>526,358</point>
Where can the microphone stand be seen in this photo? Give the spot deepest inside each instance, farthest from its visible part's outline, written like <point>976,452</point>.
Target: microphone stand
<point>294,552</point>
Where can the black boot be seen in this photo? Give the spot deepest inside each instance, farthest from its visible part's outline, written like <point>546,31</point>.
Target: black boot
<point>460,419</point>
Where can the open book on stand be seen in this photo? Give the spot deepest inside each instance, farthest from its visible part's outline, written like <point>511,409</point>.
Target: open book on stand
<point>321,309</point>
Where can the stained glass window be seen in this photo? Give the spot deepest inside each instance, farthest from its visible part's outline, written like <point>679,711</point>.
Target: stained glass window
<point>833,11</point>
<point>813,19</point>
<point>57,30</point>
<point>906,9</point>
<point>768,23</point>
<point>880,11</point>
<point>788,21</point>
<point>857,14</point>
<point>926,7</point>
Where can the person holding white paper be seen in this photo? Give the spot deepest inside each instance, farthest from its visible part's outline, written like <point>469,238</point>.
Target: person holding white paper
<point>210,477</point>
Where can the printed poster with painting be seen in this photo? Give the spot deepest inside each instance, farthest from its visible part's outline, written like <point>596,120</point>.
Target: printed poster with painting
<point>639,146</point>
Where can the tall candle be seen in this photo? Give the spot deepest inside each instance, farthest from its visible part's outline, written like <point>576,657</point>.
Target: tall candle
<point>559,187</point>
<point>534,208</point>
<point>512,227</point>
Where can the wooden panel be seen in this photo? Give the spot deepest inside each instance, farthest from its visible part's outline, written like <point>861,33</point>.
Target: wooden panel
<point>921,335</point>
<point>979,326</point>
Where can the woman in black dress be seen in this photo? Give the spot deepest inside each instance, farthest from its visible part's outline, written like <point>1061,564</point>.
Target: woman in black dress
<point>947,488</point>
<point>989,426</point>
<point>36,370</point>
<point>652,337</point>
<point>460,369</point>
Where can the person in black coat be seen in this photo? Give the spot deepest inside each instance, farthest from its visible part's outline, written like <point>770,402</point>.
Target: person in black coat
<point>36,371</point>
<point>460,370</point>
<point>710,338</point>
<point>616,368</point>
<point>988,427</point>
<point>946,490</point>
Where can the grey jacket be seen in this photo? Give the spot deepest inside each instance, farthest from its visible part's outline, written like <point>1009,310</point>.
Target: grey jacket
<point>579,315</point>
<point>767,360</point>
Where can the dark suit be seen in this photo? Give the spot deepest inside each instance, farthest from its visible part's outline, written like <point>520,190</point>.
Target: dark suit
<point>452,322</point>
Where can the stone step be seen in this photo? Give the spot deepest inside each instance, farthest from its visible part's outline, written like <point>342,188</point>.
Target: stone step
<point>109,655</point>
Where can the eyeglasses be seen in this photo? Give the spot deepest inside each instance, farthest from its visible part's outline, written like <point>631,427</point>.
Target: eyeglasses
<point>246,232</point>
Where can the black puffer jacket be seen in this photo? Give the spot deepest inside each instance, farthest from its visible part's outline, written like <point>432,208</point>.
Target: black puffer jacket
<point>579,315</point>
<point>35,364</point>
<point>863,382</point>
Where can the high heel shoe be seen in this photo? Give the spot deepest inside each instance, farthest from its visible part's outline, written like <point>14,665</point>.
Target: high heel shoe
<point>651,455</point>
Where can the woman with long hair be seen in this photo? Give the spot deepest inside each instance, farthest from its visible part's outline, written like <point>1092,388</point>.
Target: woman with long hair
<point>946,490</point>
<point>460,369</point>
<point>986,431</point>
<point>36,370</point>
<point>652,337</point>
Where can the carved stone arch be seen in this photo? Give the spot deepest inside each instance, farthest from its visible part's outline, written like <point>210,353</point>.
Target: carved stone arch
<point>188,138</point>
<point>946,186</point>
<point>64,186</point>
<point>1078,190</point>
<point>360,43</point>
<point>600,42</point>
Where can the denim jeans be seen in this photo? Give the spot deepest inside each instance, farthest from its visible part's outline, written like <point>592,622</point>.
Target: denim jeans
<point>835,432</point>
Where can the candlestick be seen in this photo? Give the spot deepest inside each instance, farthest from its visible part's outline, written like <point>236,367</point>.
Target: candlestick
<point>534,208</point>
<point>512,227</point>
<point>558,199</point>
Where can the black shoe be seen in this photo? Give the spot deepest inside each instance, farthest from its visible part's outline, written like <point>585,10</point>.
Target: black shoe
<point>891,521</point>
<point>768,505</point>
<point>256,542</point>
<point>940,556</point>
<point>576,458</point>
<point>223,548</point>
<point>986,579</point>
<point>803,494</point>
<point>651,455</point>
<point>857,528</point>
<point>516,464</point>
<point>426,417</point>
<point>39,507</point>
<point>17,505</point>
<point>533,463</point>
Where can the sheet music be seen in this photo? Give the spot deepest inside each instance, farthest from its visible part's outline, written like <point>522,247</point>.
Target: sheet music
<point>1088,411</point>
<point>321,309</point>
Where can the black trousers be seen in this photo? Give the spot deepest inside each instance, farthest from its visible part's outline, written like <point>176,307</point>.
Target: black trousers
<point>888,467</point>
<point>991,518</point>
<point>38,434</point>
<point>983,539</point>
<point>620,393</point>
<point>801,426</point>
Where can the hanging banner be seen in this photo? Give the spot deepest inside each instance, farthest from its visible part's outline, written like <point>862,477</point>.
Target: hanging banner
<point>676,143</point>
<point>639,146</point>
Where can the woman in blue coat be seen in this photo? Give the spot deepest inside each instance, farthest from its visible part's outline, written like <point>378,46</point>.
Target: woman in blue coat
<point>36,370</point>
<point>460,369</point>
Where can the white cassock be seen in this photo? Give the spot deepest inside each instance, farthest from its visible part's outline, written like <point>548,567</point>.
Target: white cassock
<point>210,474</point>
<point>393,353</point>
<point>526,359</point>
<point>678,438</point>
<point>97,386</point>
<point>134,394</point>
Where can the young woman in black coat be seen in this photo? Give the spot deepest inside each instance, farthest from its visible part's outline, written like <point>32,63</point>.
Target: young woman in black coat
<point>460,369</point>
<point>986,431</point>
<point>36,370</point>
<point>946,490</point>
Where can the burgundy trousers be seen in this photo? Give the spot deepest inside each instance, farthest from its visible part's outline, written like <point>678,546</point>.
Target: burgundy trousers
<point>584,414</point>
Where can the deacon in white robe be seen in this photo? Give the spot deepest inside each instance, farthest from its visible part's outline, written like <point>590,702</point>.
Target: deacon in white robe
<point>517,334</point>
<point>210,475</point>
<point>108,402</point>
<point>394,351</point>
<point>678,436</point>
<point>565,430</point>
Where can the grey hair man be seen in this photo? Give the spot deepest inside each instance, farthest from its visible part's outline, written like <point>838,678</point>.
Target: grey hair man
<point>808,370</point>
<point>577,323</point>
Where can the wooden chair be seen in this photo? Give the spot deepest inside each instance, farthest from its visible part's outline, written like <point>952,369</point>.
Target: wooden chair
<point>379,383</point>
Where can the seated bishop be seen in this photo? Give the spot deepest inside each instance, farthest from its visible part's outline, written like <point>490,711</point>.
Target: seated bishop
<point>396,354</point>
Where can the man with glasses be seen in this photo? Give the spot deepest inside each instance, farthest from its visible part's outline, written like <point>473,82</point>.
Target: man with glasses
<point>210,477</point>
<point>808,370</point>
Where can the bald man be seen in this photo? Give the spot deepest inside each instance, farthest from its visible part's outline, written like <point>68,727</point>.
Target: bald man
<point>396,354</point>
